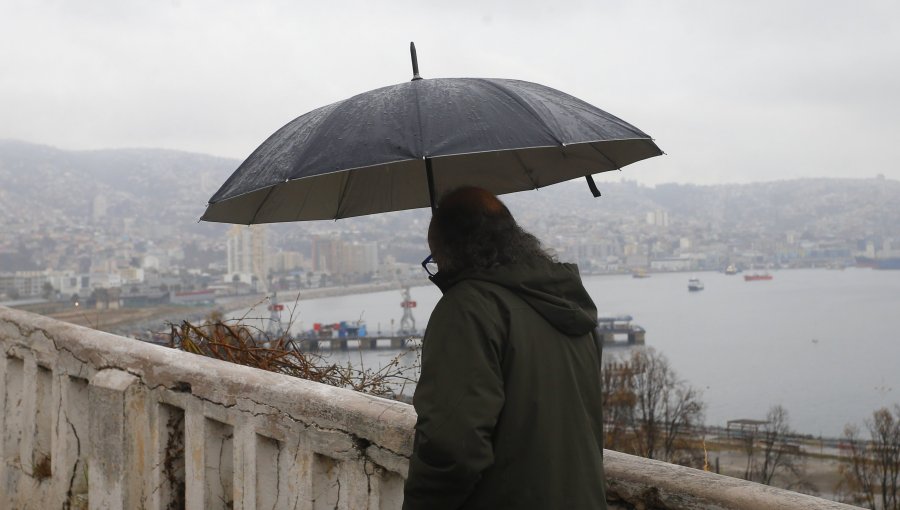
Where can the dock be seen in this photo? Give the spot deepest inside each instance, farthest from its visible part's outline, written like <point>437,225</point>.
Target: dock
<point>346,335</point>
<point>311,344</point>
<point>619,330</point>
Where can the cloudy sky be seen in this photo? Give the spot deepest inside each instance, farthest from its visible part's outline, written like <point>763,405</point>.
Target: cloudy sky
<point>733,91</point>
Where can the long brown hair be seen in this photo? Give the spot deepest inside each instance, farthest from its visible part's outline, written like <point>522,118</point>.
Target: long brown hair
<point>473,229</point>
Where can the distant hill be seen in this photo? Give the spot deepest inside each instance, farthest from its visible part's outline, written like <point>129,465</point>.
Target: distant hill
<point>163,187</point>
<point>843,208</point>
<point>838,207</point>
<point>145,184</point>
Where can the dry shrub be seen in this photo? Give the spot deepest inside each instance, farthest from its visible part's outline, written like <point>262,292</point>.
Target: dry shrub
<point>236,342</point>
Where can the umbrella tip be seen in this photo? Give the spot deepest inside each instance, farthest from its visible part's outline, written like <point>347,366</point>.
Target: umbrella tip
<point>415,61</point>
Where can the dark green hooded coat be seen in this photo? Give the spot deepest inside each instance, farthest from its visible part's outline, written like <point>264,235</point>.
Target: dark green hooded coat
<point>508,402</point>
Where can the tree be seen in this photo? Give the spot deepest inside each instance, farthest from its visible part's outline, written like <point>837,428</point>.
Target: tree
<point>778,455</point>
<point>649,411</point>
<point>100,296</point>
<point>776,450</point>
<point>618,403</point>
<point>873,473</point>
<point>47,290</point>
<point>859,476</point>
<point>652,382</point>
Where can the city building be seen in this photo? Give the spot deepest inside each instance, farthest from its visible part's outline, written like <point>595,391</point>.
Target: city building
<point>337,257</point>
<point>287,261</point>
<point>248,255</point>
<point>658,217</point>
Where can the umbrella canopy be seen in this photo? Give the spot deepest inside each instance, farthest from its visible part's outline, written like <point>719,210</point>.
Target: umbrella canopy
<point>398,147</point>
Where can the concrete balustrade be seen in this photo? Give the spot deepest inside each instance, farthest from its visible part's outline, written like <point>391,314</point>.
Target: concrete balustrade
<point>93,420</point>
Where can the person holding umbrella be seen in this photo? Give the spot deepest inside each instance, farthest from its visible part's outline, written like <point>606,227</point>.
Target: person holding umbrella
<point>509,398</point>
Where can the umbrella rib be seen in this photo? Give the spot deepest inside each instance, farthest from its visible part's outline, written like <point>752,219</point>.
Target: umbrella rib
<point>527,173</point>
<point>429,179</point>
<point>420,146</point>
<point>303,203</point>
<point>525,106</point>
<point>343,194</point>
<point>261,204</point>
<point>607,158</point>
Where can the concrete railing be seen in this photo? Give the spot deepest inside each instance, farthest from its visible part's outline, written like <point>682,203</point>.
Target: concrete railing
<point>92,420</point>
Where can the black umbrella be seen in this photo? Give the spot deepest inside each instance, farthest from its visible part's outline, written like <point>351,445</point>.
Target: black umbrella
<point>398,147</point>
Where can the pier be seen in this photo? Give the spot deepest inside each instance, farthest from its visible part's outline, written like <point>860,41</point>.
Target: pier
<point>347,335</point>
<point>307,344</point>
<point>619,330</point>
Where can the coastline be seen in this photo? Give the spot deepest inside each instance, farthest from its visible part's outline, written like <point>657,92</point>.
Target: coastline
<point>793,346</point>
<point>345,290</point>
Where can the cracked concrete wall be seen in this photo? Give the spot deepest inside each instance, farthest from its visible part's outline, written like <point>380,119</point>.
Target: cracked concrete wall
<point>93,420</point>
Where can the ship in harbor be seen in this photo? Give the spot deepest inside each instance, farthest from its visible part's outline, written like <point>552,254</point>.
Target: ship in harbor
<point>694,285</point>
<point>640,273</point>
<point>757,277</point>
<point>878,262</point>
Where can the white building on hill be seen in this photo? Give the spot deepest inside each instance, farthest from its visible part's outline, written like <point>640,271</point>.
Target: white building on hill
<point>248,255</point>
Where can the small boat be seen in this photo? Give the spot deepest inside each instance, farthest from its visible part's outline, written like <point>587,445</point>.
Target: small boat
<point>640,273</point>
<point>694,284</point>
<point>731,269</point>
<point>757,276</point>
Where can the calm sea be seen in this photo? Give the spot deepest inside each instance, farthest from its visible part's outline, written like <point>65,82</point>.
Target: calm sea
<point>825,344</point>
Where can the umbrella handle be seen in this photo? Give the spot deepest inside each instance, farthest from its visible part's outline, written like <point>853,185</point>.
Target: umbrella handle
<point>592,185</point>
<point>415,61</point>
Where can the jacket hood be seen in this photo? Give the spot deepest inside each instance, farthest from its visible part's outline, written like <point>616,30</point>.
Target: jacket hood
<point>553,289</point>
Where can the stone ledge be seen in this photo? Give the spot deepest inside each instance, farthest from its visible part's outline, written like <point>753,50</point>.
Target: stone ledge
<point>649,484</point>
<point>341,432</point>
<point>375,419</point>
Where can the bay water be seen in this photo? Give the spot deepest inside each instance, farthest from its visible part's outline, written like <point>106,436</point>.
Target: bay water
<point>825,344</point>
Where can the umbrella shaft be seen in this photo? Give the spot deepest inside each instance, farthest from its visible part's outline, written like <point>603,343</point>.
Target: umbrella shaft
<point>430,174</point>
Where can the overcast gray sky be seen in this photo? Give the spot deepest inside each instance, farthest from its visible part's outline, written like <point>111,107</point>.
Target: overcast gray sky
<point>733,91</point>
